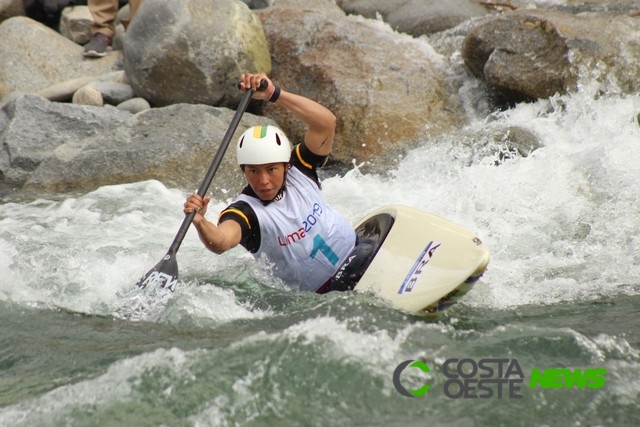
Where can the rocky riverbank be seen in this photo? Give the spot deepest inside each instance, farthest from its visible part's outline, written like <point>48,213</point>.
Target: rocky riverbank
<point>158,105</point>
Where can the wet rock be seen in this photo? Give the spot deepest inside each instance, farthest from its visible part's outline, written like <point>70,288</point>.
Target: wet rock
<point>416,17</point>
<point>522,56</point>
<point>534,53</point>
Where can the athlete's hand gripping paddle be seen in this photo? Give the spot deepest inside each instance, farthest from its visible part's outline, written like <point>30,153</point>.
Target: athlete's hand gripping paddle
<point>164,276</point>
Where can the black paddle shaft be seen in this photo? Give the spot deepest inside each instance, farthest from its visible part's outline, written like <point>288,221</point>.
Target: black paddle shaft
<point>215,164</point>
<point>165,273</point>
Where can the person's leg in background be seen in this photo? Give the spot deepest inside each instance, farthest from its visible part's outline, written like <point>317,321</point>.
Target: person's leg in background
<point>104,14</point>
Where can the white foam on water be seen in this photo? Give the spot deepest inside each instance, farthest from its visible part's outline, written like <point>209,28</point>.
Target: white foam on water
<point>561,223</point>
<point>87,253</point>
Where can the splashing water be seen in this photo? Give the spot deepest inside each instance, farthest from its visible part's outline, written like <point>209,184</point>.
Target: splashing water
<point>233,347</point>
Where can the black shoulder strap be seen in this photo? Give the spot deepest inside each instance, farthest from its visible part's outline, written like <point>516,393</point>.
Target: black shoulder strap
<point>307,162</point>
<point>244,215</point>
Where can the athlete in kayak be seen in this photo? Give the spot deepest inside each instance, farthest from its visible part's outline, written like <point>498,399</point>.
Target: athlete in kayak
<point>281,213</point>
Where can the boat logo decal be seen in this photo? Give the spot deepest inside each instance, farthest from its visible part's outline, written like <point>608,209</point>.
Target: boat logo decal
<point>412,277</point>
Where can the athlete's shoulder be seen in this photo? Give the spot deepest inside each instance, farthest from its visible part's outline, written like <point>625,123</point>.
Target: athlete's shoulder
<point>307,162</point>
<point>241,212</point>
<point>305,158</point>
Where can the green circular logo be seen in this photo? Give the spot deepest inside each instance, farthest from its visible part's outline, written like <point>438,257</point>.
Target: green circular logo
<point>396,378</point>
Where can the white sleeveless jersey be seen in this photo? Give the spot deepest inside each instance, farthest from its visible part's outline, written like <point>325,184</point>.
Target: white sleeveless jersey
<point>302,236</point>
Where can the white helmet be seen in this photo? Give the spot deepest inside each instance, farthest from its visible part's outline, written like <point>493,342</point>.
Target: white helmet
<point>259,145</point>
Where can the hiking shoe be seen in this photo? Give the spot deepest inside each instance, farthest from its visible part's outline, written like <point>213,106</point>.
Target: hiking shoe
<point>98,45</point>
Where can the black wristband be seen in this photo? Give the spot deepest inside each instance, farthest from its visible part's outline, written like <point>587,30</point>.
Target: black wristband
<point>275,95</point>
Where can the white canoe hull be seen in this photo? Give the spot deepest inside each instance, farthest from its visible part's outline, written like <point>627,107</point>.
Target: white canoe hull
<point>424,264</point>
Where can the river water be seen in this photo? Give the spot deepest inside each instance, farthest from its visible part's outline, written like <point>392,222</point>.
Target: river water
<point>233,347</point>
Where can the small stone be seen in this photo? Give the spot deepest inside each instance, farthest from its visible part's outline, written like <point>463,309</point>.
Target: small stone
<point>134,105</point>
<point>113,93</point>
<point>87,95</point>
<point>75,24</point>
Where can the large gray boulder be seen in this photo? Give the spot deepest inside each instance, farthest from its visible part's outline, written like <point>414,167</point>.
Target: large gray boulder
<point>31,127</point>
<point>34,57</point>
<point>387,90</point>
<point>173,144</point>
<point>532,54</point>
<point>193,51</point>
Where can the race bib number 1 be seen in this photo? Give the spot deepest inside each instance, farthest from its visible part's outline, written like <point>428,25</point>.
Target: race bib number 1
<point>320,245</point>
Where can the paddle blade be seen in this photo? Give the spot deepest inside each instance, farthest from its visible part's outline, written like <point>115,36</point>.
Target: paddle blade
<point>163,276</point>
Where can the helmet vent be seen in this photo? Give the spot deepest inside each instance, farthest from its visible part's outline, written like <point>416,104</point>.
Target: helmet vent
<point>241,141</point>
<point>278,139</point>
